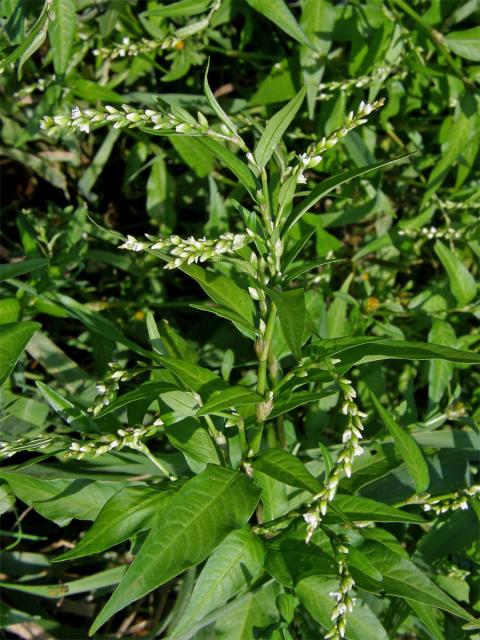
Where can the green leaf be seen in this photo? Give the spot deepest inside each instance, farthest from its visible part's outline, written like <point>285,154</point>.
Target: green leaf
<point>322,189</point>
<point>465,43</point>
<point>130,510</point>
<point>427,616</point>
<point>241,618</point>
<point>295,400</point>
<point>161,193</point>
<point>337,311</point>
<point>235,565</point>
<point>402,578</point>
<point>229,159</point>
<point>278,12</point>
<point>223,291</point>
<point>213,102</point>
<point>460,134</point>
<point>227,398</point>
<point>276,127</point>
<point>192,375</point>
<point>362,624</point>
<point>462,283</point>
<point>71,414</point>
<point>16,269</point>
<point>96,166</point>
<point>224,312</point>
<point>402,350</point>
<point>406,447</point>
<point>291,313</point>
<point>358,509</point>
<point>31,43</point>
<point>61,32</point>
<point>285,467</point>
<point>200,516</point>
<point>289,559</point>
<point>94,582</point>
<point>61,500</point>
<point>440,371</point>
<point>194,155</point>
<point>14,338</point>
<point>166,341</point>
<point>191,438</point>
<point>180,9</point>
<point>145,391</point>
<point>359,561</point>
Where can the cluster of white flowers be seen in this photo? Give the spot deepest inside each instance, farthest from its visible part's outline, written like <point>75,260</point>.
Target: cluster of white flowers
<point>107,388</point>
<point>342,597</point>
<point>379,74</point>
<point>189,250</point>
<point>458,501</point>
<point>127,48</point>
<point>431,233</point>
<point>9,449</point>
<point>351,449</point>
<point>314,153</point>
<point>127,116</point>
<point>127,437</point>
<point>451,205</point>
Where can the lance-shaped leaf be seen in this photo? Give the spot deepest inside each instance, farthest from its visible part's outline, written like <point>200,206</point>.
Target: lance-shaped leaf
<point>403,350</point>
<point>236,563</point>
<point>322,189</point>
<point>401,577</point>
<point>223,291</point>
<point>285,467</point>
<point>406,447</point>
<point>358,509</point>
<point>229,397</point>
<point>291,313</point>
<point>130,510</point>
<point>212,101</point>
<point>279,13</point>
<point>362,624</point>
<point>61,32</point>
<point>67,410</point>
<point>16,269</point>
<point>204,511</point>
<point>276,127</point>
<point>93,583</point>
<point>462,283</point>
<point>14,337</point>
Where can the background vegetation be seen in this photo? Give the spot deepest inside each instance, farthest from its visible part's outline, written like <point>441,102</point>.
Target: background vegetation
<point>405,246</point>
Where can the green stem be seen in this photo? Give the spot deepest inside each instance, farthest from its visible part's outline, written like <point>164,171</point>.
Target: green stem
<point>219,440</point>
<point>265,208</point>
<point>146,451</point>
<point>263,351</point>
<point>263,356</point>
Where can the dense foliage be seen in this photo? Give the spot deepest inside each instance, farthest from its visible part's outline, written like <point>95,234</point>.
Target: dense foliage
<point>239,319</point>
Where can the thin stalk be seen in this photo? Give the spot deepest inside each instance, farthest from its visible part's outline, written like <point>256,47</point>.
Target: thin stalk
<point>265,208</point>
<point>146,451</point>
<point>263,355</point>
<point>263,349</point>
<point>219,440</point>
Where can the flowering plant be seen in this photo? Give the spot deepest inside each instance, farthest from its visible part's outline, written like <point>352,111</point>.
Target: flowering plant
<point>266,463</point>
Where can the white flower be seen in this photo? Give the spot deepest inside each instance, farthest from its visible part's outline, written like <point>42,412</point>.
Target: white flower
<point>301,179</point>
